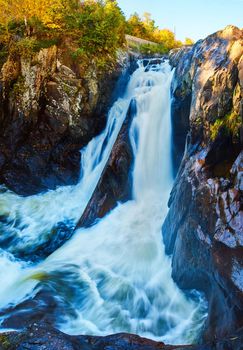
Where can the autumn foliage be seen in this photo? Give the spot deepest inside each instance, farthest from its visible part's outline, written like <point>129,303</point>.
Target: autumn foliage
<point>144,27</point>
<point>49,12</point>
<point>94,29</point>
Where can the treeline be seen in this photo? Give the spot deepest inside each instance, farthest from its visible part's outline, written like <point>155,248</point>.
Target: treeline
<point>94,29</point>
<point>144,27</point>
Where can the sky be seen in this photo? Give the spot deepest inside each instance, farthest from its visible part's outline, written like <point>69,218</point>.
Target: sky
<point>189,18</point>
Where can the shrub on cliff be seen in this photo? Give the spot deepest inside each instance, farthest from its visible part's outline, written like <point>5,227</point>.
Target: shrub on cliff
<point>229,125</point>
<point>98,28</point>
<point>94,29</point>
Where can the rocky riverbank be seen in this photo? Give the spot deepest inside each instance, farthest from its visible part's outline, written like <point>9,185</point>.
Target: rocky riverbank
<point>44,337</point>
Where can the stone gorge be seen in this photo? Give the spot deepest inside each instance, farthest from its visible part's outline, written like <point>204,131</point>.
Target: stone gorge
<point>50,109</point>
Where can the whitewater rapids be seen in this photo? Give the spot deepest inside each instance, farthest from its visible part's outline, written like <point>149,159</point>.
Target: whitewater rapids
<point>114,276</point>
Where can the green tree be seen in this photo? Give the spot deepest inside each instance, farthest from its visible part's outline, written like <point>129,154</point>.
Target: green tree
<point>135,26</point>
<point>98,27</point>
<point>145,28</point>
<point>149,25</point>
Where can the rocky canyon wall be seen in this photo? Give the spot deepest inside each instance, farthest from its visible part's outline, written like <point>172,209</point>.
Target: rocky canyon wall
<point>204,228</point>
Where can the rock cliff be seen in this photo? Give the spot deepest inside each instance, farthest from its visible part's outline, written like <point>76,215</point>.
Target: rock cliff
<point>204,228</point>
<point>50,107</point>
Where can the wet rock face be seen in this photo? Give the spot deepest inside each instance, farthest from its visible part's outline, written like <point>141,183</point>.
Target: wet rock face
<point>206,86</point>
<point>115,182</point>
<point>49,110</point>
<point>181,93</point>
<point>204,227</point>
<point>40,336</point>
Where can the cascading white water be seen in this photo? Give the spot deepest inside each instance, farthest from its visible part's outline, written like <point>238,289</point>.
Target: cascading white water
<point>114,276</point>
<point>151,134</point>
<point>30,220</point>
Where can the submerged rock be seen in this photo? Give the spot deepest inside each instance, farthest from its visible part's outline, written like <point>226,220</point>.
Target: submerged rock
<point>204,228</point>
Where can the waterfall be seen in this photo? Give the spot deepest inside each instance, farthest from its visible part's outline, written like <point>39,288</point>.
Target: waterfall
<point>151,133</point>
<point>114,276</point>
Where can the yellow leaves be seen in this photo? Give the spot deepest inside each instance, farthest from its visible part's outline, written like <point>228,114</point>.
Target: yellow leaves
<point>49,12</point>
<point>145,28</point>
<point>165,36</point>
<point>189,41</point>
<point>5,12</point>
